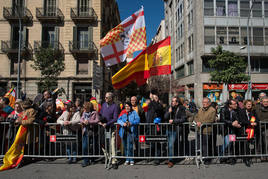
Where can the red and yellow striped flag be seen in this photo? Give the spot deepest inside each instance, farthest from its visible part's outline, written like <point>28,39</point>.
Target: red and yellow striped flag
<point>11,95</point>
<point>15,154</point>
<point>155,60</point>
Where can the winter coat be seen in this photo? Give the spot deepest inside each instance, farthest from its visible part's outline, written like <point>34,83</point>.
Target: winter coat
<point>228,117</point>
<point>75,119</point>
<point>155,110</point>
<point>131,117</point>
<point>26,119</point>
<point>92,118</point>
<point>206,116</point>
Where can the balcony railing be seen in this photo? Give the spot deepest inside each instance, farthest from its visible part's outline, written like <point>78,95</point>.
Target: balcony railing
<point>10,47</point>
<point>49,14</point>
<point>47,44</point>
<point>82,47</point>
<point>14,14</point>
<point>80,14</point>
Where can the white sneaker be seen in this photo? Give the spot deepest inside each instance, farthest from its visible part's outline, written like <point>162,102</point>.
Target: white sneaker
<point>132,163</point>
<point>126,163</point>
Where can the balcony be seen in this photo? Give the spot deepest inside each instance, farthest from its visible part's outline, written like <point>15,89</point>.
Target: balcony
<point>83,15</point>
<point>12,48</point>
<point>14,14</point>
<point>83,48</point>
<point>49,15</point>
<point>47,44</point>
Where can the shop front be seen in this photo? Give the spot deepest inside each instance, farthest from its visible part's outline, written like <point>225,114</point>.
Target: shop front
<point>213,91</point>
<point>241,89</point>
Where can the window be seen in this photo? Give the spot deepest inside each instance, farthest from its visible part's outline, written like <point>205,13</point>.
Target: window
<point>177,55</point>
<point>257,9</point>
<point>182,49</point>
<point>50,36</point>
<point>221,35</point>
<point>259,64</point>
<point>257,36</point>
<point>83,7</point>
<point>244,36</point>
<point>232,8</point>
<point>50,8</point>
<point>266,36</point>
<point>180,72</point>
<point>244,8</point>
<point>205,66</point>
<point>266,9</point>
<point>208,8</point>
<point>220,4</point>
<point>190,20</point>
<point>15,37</point>
<point>233,35</point>
<point>82,67</point>
<point>209,35</point>
<point>190,43</point>
<point>14,67</point>
<point>82,37</point>
<point>191,68</point>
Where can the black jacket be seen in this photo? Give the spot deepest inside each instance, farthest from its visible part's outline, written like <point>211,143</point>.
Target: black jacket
<point>228,117</point>
<point>178,115</point>
<point>155,110</point>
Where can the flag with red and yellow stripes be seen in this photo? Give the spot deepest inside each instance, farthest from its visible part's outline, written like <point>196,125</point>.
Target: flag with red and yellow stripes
<point>15,154</point>
<point>155,60</point>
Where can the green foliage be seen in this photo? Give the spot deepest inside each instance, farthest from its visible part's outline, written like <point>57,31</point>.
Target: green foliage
<point>228,67</point>
<point>50,62</point>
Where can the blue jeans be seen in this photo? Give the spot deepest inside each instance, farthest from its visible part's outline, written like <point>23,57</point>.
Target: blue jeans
<point>71,150</point>
<point>128,141</point>
<point>85,142</point>
<point>172,135</point>
<point>226,143</point>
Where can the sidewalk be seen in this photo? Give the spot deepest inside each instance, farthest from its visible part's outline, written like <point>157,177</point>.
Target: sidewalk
<point>58,169</point>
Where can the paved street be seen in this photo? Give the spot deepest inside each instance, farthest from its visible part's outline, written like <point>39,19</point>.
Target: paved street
<point>58,169</point>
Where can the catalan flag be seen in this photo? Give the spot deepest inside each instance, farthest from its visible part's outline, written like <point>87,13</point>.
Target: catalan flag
<point>155,60</point>
<point>11,95</point>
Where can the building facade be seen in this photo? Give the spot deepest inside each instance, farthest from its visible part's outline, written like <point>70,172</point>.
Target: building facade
<point>73,27</point>
<point>197,26</point>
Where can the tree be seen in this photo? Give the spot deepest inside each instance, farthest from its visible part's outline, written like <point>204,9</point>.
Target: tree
<point>50,62</point>
<point>227,66</point>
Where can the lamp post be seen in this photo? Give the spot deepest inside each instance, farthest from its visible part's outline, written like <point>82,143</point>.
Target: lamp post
<point>19,51</point>
<point>249,92</point>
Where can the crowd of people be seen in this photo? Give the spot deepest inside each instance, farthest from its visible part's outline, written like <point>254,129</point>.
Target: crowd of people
<point>237,115</point>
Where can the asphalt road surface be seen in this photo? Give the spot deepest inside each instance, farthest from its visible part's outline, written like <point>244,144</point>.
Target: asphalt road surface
<point>58,169</point>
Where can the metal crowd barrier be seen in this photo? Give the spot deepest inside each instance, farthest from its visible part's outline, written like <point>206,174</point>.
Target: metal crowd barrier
<point>228,142</point>
<point>56,141</point>
<point>148,142</point>
<point>155,142</point>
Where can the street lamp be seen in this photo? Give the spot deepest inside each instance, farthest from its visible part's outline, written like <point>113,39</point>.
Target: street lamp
<point>249,92</point>
<point>18,77</point>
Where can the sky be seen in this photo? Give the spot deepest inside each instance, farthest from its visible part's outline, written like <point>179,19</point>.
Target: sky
<point>153,13</point>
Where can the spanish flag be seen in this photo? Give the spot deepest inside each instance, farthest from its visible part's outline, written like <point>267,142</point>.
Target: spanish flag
<point>154,60</point>
<point>15,154</point>
<point>11,95</point>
